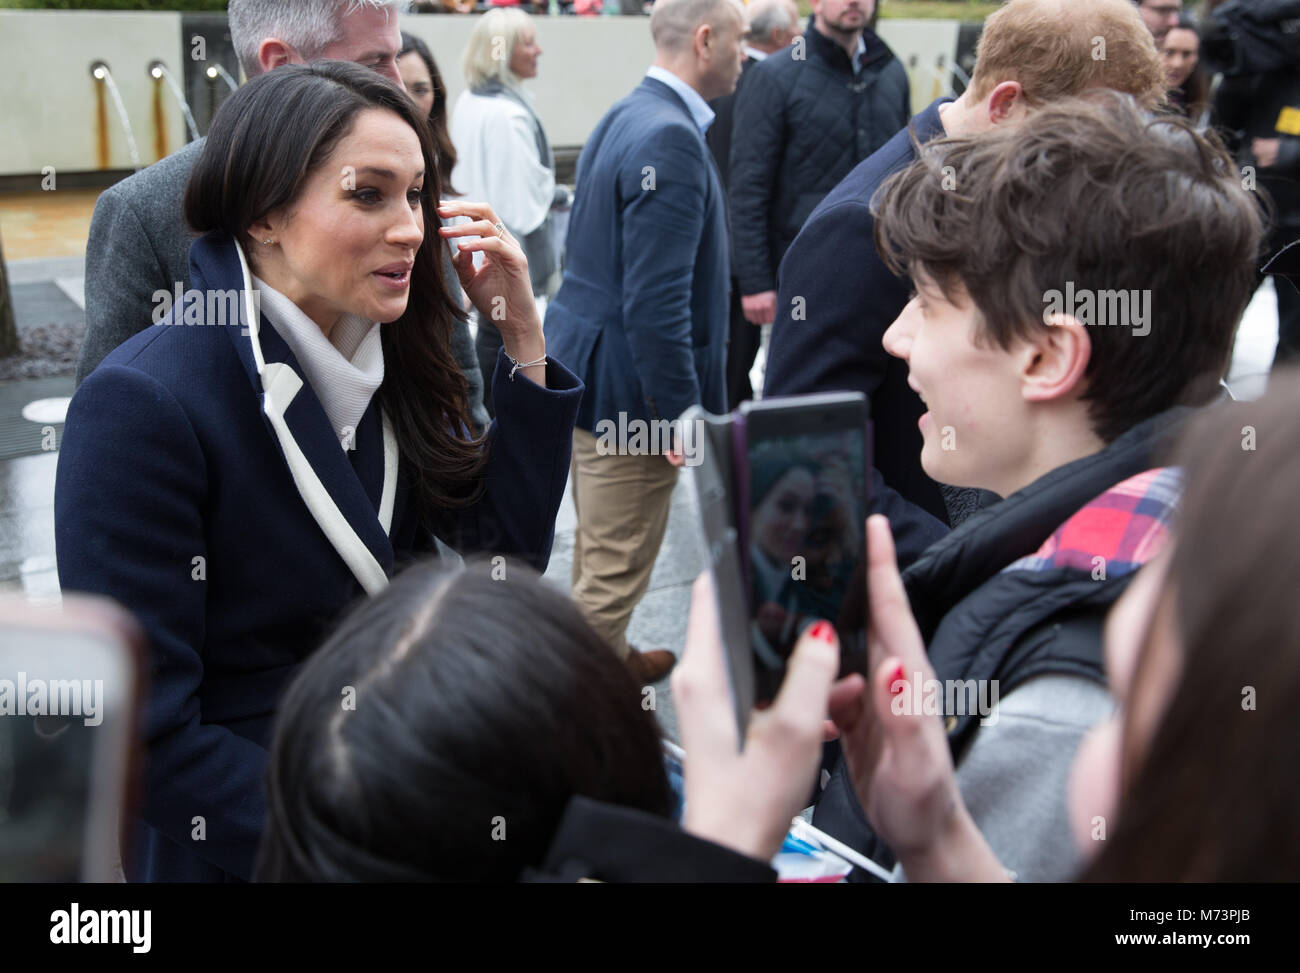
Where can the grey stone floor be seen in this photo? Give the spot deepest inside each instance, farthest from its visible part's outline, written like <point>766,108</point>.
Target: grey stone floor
<point>659,621</point>
<point>27,564</point>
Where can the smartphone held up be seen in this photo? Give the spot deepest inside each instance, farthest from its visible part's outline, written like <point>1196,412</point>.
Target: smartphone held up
<point>781,489</point>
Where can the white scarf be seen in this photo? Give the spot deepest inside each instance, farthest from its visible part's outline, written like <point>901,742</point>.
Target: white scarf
<point>344,370</point>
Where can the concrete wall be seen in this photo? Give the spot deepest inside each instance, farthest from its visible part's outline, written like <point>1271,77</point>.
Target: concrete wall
<point>52,113</point>
<point>49,104</point>
<point>587,64</point>
<point>927,49</point>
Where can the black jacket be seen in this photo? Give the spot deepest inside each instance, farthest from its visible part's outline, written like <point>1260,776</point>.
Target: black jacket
<point>1266,106</point>
<point>719,133</point>
<point>1259,96</point>
<point>982,623</point>
<point>833,342</point>
<point>608,843</point>
<point>803,120</point>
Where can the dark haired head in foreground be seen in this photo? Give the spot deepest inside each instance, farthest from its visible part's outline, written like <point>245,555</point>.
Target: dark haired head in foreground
<point>442,730</point>
<point>1208,674</point>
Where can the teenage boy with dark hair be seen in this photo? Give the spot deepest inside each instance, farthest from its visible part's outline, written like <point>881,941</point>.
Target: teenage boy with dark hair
<point>836,297</point>
<point>1078,284</point>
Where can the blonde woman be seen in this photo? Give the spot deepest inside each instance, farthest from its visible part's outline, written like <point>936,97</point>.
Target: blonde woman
<point>503,155</point>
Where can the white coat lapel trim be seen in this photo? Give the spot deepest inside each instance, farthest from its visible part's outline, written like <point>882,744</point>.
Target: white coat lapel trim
<point>280,385</point>
<point>389,492</point>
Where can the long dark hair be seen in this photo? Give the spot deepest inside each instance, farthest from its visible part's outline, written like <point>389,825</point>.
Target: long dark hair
<point>438,113</point>
<point>441,731</point>
<point>1216,796</point>
<point>265,140</point>
<point>1192,97</point>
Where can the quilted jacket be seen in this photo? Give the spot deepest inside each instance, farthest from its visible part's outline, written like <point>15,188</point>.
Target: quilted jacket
<point>803,121</point>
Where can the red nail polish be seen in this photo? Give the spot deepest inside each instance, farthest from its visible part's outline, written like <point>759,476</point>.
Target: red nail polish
<point>824,631</point>
<point>898,681</point>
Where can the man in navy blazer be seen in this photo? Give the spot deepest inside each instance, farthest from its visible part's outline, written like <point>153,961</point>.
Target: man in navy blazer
<point>641,316</point>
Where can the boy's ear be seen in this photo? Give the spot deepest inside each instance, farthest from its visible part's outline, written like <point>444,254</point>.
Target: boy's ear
<point>1056,359</point>
<point>1003,101</point>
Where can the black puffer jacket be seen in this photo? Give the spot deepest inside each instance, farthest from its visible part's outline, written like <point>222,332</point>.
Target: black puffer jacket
<point>802,123</point>
<point>1259,96</point>
<point>980,622</point>
<point>1267,106</point>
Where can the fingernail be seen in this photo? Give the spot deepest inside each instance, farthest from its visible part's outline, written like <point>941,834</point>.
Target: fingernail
<point>898,681</point>
<point>824,631</point>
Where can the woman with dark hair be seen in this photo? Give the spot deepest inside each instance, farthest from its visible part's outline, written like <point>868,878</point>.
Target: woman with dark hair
<point>423,83</point>
<point>1189,89</point>
<point>237,485</point>
<point>436,736</point>
<point>1195,779</point>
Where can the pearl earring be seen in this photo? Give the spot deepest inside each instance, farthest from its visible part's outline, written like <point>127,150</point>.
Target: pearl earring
<point>267,241</point>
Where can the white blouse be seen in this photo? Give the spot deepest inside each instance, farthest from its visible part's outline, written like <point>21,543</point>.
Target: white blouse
<point>345,370</point>
<point>497,161</point>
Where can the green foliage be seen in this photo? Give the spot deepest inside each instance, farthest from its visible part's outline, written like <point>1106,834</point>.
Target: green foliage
<point>218,6</point>
<point>951,9</point>
<point>973,10</point>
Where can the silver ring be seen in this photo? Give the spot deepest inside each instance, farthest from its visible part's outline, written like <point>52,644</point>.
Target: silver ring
<point>500,228</point>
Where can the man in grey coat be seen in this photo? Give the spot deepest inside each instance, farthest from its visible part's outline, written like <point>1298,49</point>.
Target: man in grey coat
<point>139,244</point>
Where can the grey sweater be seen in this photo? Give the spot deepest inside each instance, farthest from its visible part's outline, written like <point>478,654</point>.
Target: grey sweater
<point>139,244</point>
<point>1015,773</point>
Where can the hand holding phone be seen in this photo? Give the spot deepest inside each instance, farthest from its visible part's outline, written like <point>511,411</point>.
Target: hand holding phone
<point>742,793</point>
<point>782,496</point>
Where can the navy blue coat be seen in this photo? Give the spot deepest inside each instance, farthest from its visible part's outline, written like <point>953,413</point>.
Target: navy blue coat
<point>171,454</point>
<point>641,316</point>
<point>849,300</point>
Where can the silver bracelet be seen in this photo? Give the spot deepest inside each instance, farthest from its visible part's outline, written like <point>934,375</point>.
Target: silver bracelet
<point>524,364</point>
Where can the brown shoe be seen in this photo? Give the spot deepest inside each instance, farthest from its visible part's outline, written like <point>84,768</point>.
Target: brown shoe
<point>651,666</point>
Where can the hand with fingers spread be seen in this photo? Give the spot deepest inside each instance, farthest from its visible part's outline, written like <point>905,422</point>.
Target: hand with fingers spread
<point>500,287</point>
<point>899,760</point>
<point>745,799</point>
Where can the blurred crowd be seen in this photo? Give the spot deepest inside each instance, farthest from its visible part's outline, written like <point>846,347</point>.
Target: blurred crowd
<point>582,8</point>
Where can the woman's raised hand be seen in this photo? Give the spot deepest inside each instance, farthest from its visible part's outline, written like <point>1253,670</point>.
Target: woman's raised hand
<point>500,287</point>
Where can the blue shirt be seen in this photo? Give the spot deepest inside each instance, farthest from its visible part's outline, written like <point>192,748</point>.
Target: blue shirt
<point>698,107</point>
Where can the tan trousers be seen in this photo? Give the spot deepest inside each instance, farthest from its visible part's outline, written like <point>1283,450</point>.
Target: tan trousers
<point>622,505</point>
